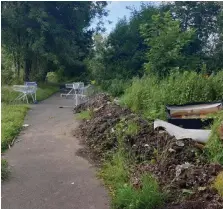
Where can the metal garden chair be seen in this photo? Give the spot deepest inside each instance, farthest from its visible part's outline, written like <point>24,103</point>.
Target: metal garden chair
<point>32,84</point>
<point>24,91</point>
<point>83,95</point>
<point>74,88</point>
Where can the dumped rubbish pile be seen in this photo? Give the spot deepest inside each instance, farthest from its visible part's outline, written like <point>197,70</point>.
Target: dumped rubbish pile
<point>94,102</point>
<point>180,166</point>
<point>97,131</point>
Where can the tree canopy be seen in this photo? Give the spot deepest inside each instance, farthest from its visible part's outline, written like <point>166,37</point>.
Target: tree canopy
<point>45,36</point>
<point>54,36</point>
<point>173,35</point>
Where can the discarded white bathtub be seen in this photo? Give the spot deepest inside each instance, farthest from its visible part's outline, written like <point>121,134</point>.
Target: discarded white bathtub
<point>182,133</point>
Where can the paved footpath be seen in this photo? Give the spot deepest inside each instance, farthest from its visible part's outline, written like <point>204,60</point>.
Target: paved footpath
<point>46,172</point>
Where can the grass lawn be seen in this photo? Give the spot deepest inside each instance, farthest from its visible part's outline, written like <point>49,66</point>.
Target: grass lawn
<point>13,115</point>
<point>45,91</point>
<point>12,121</point>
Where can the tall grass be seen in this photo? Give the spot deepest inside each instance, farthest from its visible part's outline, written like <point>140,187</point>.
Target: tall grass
<point>149,95</point>
<point>115,87</point>
<point>215,145</point>
<point>115,174</point>
<point>13,115</point>
<point>12,121</point>
<point>45,91</point>
<point>148,197</point>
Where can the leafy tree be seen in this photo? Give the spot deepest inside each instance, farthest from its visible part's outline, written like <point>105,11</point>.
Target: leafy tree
<point>53,33</point>
<point>124,56</point>
<point>215,61</point>
<point>200,15</point>
<point>166,41</point>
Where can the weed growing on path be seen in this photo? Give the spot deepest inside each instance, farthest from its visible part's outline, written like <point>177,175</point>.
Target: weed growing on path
<point>132,128</point>
<point>85,115</point>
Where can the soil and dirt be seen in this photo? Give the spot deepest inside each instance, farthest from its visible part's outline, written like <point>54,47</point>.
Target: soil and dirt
<point>180,167</point>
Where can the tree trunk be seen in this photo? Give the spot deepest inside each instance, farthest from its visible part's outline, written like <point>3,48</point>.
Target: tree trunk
<point>18,54</point>
<point>18,65</point>
<point>28,64</point>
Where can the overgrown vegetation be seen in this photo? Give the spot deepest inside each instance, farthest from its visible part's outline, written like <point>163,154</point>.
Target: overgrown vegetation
<point>115,173</point>
<point>148,197</point>
<point>124,195</point>
<point>131,148</point>
<point>149,95</point>
<point>215,145</point>
<point>158,39</point>
<point>12,121</point>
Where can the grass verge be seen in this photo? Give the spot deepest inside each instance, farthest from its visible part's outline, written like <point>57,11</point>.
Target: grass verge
<point>13,117</point>
<point>45,91</point>
<point>4,170</point>
<point>12,121</point>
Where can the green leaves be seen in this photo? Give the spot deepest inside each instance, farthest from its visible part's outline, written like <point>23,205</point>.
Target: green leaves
<point>54,33</point>
<point>166,41</point>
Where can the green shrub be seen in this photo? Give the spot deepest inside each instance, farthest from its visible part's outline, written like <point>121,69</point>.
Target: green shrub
<point>149,95</point>
<point>115,87</point>
<point>52,77</point>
